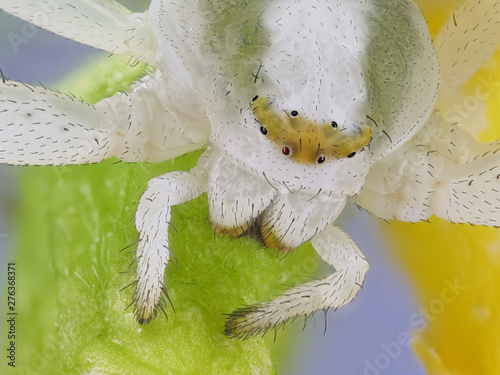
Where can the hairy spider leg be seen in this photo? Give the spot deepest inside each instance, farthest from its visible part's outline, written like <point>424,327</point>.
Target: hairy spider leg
<point>153,251</point>
<point>331,292</point>
<point>103,24</point>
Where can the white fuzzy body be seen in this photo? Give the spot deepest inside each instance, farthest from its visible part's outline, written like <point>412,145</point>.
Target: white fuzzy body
<point>352,64</point>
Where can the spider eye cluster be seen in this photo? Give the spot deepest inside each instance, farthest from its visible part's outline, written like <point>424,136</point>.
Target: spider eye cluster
<point>303,140</point>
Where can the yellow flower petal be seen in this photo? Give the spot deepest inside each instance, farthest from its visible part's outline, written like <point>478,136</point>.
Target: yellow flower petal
<point>455,268</point>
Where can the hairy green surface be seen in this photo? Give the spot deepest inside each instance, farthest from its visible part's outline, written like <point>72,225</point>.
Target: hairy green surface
<point>72,311</point>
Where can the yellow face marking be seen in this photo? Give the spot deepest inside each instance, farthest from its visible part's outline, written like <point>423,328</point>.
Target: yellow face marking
<point>303,140</point>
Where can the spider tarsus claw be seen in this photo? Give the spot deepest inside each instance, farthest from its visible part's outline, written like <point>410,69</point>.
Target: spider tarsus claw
<point>241,324</point>
<point>142,318</point>
<point>234,325</point>
<point>143,321</point>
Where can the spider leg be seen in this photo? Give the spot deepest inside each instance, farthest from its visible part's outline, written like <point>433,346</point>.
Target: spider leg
<point>103,24</point>
<point>468,191</point>
<point>333,291</point>
<point>153,251</point>
<point>43,127</point>
<point>466,41</point>
<point>39,126</point>
<point>442,171</point>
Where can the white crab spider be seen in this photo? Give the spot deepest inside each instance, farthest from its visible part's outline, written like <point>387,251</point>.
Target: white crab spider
<point>301,107</point>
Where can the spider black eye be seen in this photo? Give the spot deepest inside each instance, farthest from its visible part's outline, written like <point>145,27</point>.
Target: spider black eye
<point>263,130</point>
<point>294,113</point>
<point>255,98</point>
<point>351,154</point>
<point>286,150</point>
<point>334,124</point>
<point>321,159</point>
